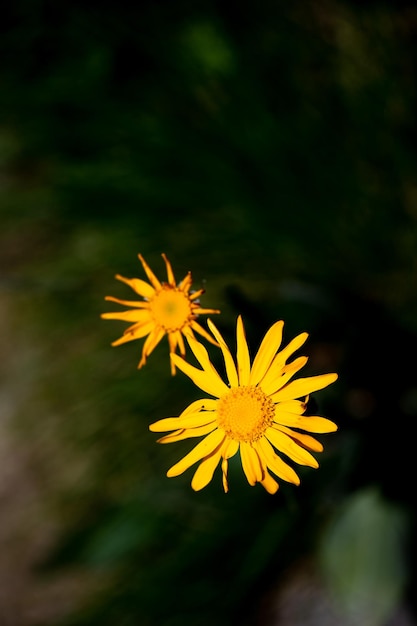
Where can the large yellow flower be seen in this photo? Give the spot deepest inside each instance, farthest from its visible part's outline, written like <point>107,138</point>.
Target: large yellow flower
<point>166,309</point>
<point>259,413</point>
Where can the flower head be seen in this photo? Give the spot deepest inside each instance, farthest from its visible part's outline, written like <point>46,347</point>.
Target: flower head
<point>260,412</point>
<point>166,309</point>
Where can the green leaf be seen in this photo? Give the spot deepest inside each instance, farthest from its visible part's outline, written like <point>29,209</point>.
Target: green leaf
<point>363,557</point>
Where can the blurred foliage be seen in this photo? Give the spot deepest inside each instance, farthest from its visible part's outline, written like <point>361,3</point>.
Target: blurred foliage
<point>369,573</point>
<point>269,148</point>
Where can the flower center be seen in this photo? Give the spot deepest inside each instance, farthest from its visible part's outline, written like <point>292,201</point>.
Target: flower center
<point>171,309</point>
<point>244,413</point>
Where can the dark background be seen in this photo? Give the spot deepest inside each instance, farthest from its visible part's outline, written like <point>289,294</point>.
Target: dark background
<point>269,148</point>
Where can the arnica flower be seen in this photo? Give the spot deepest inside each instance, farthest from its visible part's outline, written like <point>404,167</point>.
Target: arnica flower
<point>259,413</point>
<point>166,309</point>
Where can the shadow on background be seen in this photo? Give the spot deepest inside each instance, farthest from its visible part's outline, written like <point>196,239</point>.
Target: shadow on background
<point>271,151</point>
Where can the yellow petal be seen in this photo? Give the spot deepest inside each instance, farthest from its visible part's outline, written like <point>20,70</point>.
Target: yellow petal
<point>187,433</point>
<point>205,471</point>
<point>305,440</point>
<point>143,304</point>
<point>170,273</point>
<point>194,295</point>
<point>173,340</point>
<point>250,463</point>
<point>186,283</point>
<point>136,333</point>
<point>275,463</point>
<point>294,366</point>
<point>228,359</point>
<point>133,315</point>
<point>151,342</point>
<point>288,372</point>
<point>285,444</point>
<point>201,331</point>
<point>280,359</point>
<point>140,286</point>
<point>267,350</point>
<point>293,406</point>
<point>304,386</point>
<point>228,449</point>
<point>181,344</point>
<point>224,475</point>
<point>207,381</point>
<point>191,420</point>
<point>149,273</point>
<point>294,345</point>
<point>199,311</point>
<point>206,404</point>
<point>310,423</point>
<point>201,355</point>
<point>269,483</point>
<point>201,450</point>
<point>243,359</point>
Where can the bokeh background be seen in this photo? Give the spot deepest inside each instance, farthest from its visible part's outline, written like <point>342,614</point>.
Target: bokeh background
<point>269,148</point>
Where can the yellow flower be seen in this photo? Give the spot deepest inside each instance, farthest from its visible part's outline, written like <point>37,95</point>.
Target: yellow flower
<point>259,413</point>
<point>166,309</point>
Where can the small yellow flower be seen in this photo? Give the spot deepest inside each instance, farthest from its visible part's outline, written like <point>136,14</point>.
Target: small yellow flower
<point>166,309</point>
<point>259,413</point>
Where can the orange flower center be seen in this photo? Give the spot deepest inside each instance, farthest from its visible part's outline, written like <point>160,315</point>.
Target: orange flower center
<point>244,413</point>
<point>171,308</point>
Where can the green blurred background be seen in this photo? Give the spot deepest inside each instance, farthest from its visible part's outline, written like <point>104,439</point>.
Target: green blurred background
<point>269,148</point>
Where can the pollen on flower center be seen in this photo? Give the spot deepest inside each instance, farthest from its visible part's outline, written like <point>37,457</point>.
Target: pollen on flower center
<point>245,413</point>
<point>171,308</point>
